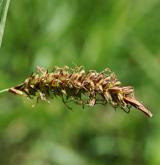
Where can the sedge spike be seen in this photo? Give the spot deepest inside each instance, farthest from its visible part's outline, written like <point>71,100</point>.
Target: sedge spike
<point>80,86</point>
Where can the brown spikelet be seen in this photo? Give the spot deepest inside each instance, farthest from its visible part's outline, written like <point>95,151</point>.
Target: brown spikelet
<point>80,86</point>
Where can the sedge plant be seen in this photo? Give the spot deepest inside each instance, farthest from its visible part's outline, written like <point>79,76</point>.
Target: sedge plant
<point>74,84</point>
<point>79,86</point>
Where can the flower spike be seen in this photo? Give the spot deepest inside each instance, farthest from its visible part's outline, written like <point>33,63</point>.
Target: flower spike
<point>80,86</point>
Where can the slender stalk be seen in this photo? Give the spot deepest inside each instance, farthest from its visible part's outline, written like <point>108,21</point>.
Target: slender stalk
<point>4,90</point>
<point>3,18</point>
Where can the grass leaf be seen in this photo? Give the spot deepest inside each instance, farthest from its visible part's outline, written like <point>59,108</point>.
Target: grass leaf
<point>4,5</point>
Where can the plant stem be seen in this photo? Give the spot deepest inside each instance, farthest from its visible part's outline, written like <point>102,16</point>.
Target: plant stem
<point>4,90</point>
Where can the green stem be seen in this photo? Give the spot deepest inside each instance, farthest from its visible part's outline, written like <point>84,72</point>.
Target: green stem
<point>4,90</point>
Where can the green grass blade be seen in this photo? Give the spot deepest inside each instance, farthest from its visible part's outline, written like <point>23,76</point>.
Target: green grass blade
<point>4,5</point>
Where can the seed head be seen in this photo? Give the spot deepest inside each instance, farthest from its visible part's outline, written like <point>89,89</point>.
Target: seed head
<point>80,86</point>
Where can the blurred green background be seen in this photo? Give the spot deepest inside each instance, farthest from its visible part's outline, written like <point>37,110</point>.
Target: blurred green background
<point>123,35</point>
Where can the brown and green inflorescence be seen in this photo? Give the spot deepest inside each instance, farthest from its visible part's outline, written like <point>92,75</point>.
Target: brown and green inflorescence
<point>80,86</point>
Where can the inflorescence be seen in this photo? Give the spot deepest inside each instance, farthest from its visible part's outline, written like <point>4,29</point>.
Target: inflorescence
<point>80,86</point>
